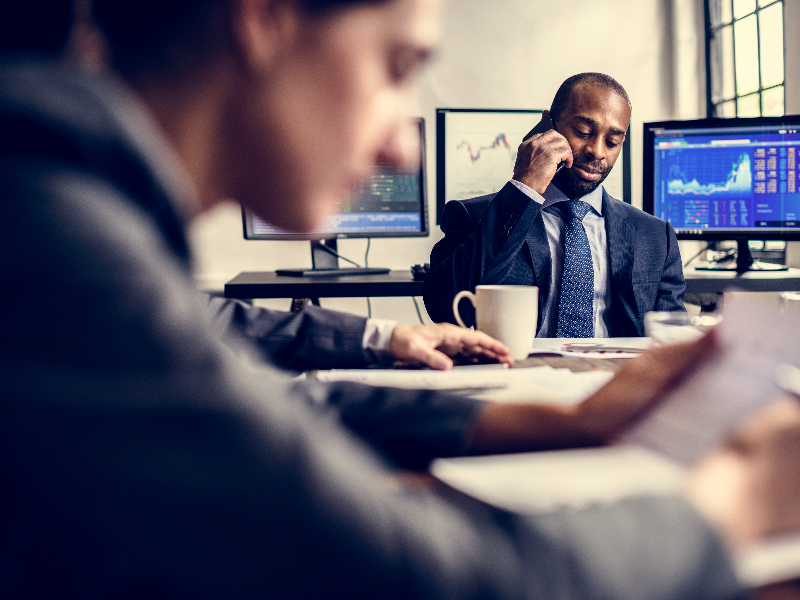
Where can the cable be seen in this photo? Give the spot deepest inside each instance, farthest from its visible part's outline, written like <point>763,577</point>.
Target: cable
<point>726,256</point>
<point>337,255</point>
<point>686,264</point>
<point>419,314</point>
<point>366,264</point>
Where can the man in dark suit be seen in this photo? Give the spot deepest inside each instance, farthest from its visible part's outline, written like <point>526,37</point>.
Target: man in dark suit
<point>625,263</point>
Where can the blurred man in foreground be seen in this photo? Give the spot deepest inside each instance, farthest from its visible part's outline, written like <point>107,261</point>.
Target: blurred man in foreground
<point>312,339</point>
<point>146,459</point>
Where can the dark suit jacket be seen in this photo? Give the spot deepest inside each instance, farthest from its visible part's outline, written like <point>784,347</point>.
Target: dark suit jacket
<point>142,458</point>
<point>313,338</point>
<point>501,239</point>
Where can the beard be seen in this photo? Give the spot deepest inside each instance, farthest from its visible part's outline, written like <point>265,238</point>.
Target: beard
<point>574,186</point>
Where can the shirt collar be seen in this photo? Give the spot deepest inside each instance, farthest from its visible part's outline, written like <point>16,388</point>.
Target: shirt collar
<point>552,195</point>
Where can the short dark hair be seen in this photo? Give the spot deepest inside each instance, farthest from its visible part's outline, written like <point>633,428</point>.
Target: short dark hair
<point>173,37</point>
<point>39,26</point>
<point>561,99</point>
<point>322,5</point>
<point>170,34</point>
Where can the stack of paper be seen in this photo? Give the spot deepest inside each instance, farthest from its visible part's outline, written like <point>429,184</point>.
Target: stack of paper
<point>545,481</point>
<point>535,384</point>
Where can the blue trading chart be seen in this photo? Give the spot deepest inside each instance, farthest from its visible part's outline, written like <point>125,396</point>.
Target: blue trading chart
<point>388,202</point>
<point>727,179</point>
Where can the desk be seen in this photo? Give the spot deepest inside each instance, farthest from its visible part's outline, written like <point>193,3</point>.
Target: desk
<point>705,288</point>
<point>573,363</point>
<point>265,284</point>
<point>497,383</point>
<point>716,282</point>
<point>547,352</point>
<point>250,285</point>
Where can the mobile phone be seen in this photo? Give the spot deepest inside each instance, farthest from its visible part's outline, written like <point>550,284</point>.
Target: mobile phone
<point>546,124</point>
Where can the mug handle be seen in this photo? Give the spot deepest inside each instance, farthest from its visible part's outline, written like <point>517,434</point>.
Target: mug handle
<point>463,294</point>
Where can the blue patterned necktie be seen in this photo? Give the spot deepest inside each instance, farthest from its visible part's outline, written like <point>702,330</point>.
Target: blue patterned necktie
<point>577,279</point>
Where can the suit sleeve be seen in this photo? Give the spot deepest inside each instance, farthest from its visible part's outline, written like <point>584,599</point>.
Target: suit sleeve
<point>477,248</point>
<point>313,338</point>
<point>409,428</point>
<point>672,286</point>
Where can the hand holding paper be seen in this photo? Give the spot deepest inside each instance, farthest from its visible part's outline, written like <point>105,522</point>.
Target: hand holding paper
<point>739,380</point>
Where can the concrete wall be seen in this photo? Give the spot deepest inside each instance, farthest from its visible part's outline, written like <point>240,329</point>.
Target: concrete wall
<point>505,54</point>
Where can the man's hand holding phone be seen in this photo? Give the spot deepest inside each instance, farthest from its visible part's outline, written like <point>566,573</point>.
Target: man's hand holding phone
<point>541,154</point>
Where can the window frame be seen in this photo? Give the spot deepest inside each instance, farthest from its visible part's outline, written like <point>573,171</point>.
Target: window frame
<point>711,31</point>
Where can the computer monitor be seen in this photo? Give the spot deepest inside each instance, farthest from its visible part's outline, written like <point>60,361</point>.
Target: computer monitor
<point>392,203</point>
<point>476,150</point>
<point>725,179</point>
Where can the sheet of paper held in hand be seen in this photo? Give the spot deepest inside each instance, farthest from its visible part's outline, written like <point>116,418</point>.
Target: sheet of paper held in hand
<point>698,415</point>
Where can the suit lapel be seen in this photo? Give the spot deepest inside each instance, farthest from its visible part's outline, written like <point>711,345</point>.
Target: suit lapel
<point>540,252</point>
<point>541,261</point>
<point>619,234</point>
<point>620,240</point>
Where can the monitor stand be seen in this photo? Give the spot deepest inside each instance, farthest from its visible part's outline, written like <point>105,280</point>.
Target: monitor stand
<point>326,264</point>
<point>744,262</point>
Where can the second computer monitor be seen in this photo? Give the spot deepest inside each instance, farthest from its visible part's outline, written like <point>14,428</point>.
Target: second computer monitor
<point>476,150</point>
<point>391,203</point>
<point>724,179</point>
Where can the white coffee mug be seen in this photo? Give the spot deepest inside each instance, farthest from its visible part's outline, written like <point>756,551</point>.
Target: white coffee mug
<point>506,312</point>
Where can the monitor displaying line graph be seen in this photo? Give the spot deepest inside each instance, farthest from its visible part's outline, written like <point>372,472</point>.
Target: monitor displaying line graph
<point>482,148</point>
<point>476,150</point>
<point>729,174</point>
<point>724,176</point>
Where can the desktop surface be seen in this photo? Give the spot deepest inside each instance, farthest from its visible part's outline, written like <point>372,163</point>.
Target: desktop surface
<point>267,284</point>
<point>700,281</point>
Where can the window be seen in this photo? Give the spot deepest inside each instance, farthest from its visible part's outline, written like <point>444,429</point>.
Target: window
<point>744,56</point>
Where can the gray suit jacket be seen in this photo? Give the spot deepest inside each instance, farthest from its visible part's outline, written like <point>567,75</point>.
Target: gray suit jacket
<point>501,239</point>
<point>141,457</point>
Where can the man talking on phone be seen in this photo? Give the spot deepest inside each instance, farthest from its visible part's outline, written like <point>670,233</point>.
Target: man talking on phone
<point>600,264</point>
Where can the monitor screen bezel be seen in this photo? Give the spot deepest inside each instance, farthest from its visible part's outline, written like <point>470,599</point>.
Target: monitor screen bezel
<point>247,215</point>
<point>441,152</point>
<point>648,173</point>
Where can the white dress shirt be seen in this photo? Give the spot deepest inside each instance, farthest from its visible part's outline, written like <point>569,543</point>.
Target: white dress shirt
<point>554,224</point>
<point>376,341</point>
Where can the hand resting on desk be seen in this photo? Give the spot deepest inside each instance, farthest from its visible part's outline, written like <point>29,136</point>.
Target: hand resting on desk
<point>434,345</point>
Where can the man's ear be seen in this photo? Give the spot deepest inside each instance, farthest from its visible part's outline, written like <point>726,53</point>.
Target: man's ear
<point>262,28</point>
